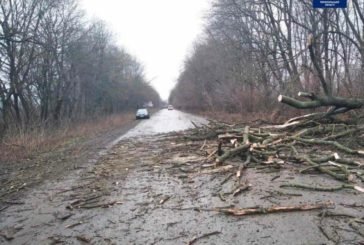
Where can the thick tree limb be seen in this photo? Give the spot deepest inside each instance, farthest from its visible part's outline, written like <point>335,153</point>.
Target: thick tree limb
<point>337,102</point>
<point>324,170</point>
<point>234,152</point>
<point>344,133</point>
<point>331,143</point>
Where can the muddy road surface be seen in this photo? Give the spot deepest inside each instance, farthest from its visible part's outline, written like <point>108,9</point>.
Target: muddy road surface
<point>24,216</point>
<point>151,186</point>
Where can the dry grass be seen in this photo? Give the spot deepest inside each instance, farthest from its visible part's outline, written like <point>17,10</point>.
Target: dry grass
<point>20,145</point>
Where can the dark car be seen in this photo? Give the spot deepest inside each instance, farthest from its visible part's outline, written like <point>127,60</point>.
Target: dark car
<point>142,114</point>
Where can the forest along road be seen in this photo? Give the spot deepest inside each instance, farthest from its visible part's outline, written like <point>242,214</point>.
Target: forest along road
<point>154,187</point>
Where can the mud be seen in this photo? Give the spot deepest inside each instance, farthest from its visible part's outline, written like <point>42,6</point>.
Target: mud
<point>153,189</point>
<point>17,178</point>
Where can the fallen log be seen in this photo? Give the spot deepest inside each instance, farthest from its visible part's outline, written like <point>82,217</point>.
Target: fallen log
<point>320,101</point>
<point>337,104</point>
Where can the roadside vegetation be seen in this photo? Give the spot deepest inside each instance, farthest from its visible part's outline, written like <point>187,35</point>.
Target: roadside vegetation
<point>265,61</point>
<point>253,51</point>
<point>60,73</point>
<point>25,145</point>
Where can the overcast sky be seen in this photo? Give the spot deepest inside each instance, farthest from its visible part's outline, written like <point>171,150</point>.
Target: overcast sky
<point>160,33</point>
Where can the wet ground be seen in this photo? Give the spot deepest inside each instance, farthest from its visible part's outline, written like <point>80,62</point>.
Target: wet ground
<point>149,187</point>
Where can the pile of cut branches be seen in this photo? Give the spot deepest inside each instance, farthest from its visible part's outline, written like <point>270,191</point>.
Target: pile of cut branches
<point>333,149</point>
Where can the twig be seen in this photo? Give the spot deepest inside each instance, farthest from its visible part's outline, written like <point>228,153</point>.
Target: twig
<point>320,188</point>
<point>353,224</point>
<point>322,169</point>
<point>227,178</point>
<point>203,146</point>
<point>211,154</point>
<point>3,208</point>
<point>74,225</point>
<point>241,188</point>
<point>274,209</point>
<point>323,230</point>
<point>331,143</point>
<point>83,239</point>
<point>102,205</point>
<point>221,169</point>
<point>164,199</point>
<point>221,196</point>
<point>14,202</point>
<point>354,205</point>
<point>195,239</point>
<point>275,177</point>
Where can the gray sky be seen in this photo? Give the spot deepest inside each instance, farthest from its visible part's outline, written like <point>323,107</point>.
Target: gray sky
<point>160,33</point>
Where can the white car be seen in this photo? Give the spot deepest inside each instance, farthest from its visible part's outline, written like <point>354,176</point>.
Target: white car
<point>142,114</point>
<point>170,107</point>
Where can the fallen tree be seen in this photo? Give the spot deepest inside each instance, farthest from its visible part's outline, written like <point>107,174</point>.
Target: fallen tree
<point>340,104</point>
<point>337,104</point>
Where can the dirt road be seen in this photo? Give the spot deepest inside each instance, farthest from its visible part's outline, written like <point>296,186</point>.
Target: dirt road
<point>149,187</point>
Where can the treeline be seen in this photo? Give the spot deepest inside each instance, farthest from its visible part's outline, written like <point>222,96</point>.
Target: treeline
<point>55,65</point>
<point>253,50</point>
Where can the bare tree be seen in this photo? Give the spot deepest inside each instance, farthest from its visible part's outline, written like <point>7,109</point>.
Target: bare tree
<point>54,65</point>
<point>268,40</point>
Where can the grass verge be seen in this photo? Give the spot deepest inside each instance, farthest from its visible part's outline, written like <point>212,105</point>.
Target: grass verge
<point>20,145</point>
